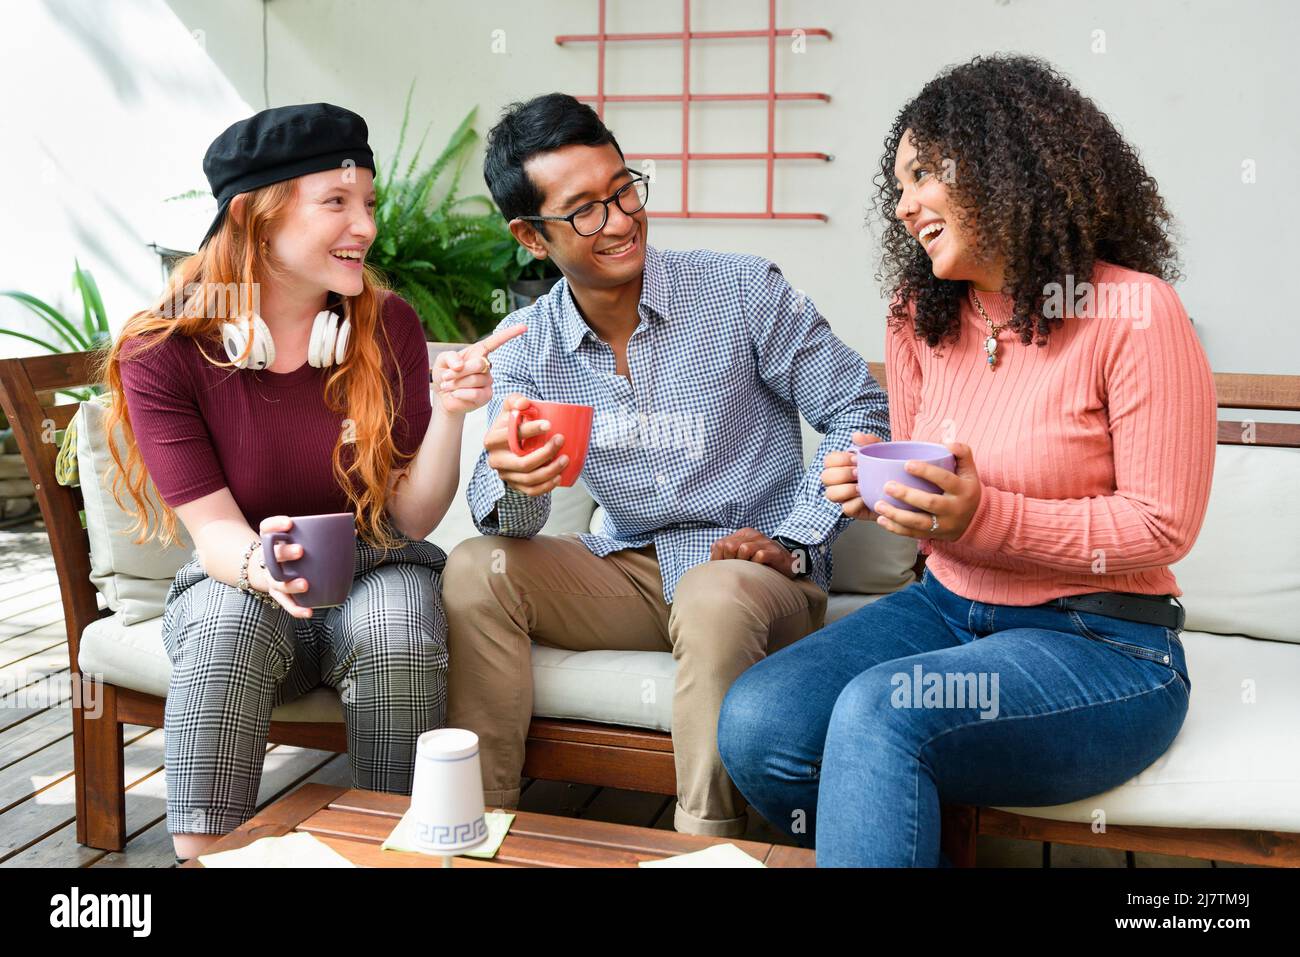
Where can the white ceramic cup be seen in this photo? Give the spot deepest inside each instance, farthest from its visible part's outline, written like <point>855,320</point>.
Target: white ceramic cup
<point>447,792</point>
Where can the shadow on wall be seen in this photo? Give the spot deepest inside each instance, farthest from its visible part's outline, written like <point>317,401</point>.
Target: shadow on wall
<point>100,29</point>
<point>118,102</point>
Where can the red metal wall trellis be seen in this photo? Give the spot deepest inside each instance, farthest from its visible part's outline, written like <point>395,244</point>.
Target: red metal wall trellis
<point>602,38</point>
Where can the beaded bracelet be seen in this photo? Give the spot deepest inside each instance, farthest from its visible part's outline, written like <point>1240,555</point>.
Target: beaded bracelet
<point>243,583</point>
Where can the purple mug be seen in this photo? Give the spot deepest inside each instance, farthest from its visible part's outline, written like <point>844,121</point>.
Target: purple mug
<point>328,549</point>
<point>884,462</point>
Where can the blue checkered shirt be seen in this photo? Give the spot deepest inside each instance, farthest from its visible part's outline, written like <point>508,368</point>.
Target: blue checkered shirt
<point>705,438</point>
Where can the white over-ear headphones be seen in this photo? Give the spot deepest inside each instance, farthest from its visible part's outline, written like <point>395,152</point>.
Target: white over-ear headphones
<point>328,345</point>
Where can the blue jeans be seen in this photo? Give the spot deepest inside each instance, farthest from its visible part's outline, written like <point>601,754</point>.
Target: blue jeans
<point>853,735</point>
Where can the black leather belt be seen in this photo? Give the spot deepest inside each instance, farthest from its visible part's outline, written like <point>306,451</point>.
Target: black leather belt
<point>1163,610</point>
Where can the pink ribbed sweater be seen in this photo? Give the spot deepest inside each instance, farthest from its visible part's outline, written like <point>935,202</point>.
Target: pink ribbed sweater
<point>1095,452</point>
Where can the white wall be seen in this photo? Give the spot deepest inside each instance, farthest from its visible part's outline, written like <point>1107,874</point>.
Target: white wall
<point>1198,87</point>
<point>107,109</point>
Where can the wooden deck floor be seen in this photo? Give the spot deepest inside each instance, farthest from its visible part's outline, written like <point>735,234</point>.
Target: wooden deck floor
<point>37,807</point>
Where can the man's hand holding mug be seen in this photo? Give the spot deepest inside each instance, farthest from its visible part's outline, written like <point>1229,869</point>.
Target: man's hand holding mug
<point>840,477</point>
<point>536,472</point>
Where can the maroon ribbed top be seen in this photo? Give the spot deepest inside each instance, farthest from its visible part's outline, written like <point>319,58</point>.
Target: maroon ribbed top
<point>268,436</point>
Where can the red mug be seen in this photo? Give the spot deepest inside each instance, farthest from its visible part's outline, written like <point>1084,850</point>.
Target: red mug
<point>571,421</point>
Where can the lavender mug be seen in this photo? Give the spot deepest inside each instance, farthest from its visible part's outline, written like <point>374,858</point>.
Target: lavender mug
<point>883,462</point>
<point>328,549</point>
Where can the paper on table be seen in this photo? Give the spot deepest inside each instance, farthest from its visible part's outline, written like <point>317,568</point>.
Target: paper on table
<point>403,836</point>
<point>719,855</point>
<point>298,849</point>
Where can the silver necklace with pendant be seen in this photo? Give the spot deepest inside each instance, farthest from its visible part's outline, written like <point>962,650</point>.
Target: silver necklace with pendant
<point>991,343</point>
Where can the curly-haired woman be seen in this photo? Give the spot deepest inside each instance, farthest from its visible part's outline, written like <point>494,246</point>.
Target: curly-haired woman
<point>274,377</point>
<point>1038,660</point>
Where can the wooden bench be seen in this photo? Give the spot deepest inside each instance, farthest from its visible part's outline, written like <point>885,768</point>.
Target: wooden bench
<point>573,751</point>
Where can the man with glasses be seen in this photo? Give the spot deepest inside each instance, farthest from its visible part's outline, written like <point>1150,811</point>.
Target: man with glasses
<point>716,538</point>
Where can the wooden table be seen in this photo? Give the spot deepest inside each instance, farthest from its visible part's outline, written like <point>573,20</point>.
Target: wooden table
<point>355,823</point>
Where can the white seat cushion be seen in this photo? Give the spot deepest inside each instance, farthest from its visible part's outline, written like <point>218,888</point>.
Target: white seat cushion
<point>838,604</point>
<point>1234,764</point>
<point>611,687</point>
<point>623,687</point>
<point>129,656</point>
<point>133,656</point>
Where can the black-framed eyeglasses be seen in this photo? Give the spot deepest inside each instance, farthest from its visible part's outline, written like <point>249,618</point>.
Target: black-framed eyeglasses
<point>590,218</point>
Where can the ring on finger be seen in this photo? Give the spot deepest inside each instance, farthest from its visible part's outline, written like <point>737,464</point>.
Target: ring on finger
<point>934,524</point>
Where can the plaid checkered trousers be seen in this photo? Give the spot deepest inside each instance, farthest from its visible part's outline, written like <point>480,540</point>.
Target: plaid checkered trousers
<point>235,658</point>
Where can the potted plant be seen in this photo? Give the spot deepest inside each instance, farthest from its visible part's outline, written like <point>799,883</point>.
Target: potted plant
<point>534,278</point>
<point>17,494</point>
<point>92,333</point>
<point>446,254</point>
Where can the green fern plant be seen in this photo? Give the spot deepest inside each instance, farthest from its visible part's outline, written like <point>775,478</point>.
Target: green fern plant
<point>450,256</point>
<point>92,333</point>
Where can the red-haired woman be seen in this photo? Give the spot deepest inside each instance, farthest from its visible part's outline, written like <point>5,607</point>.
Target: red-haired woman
<point>275,377</point>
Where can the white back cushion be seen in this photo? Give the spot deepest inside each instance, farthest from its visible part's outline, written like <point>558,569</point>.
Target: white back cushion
<point>871,561</point>
<point>458,524</point>
<point>1242,577</point>
<point>132,578</point>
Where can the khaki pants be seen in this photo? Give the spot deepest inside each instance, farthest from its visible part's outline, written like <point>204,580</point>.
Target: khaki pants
<point>499,593</point>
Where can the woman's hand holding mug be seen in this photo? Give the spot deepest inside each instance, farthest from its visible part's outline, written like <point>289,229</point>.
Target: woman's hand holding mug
<point>281,592</point>
<point>945,515</point>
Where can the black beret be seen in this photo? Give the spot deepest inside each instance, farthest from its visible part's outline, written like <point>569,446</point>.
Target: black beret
<point>279,144</point>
